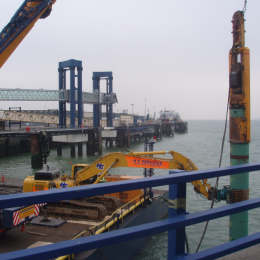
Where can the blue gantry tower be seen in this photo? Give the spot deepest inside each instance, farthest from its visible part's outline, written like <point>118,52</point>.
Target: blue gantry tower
<point>75,92</point>
<point>97,108</point>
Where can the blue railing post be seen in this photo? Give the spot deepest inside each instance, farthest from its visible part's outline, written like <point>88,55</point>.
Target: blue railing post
<point>177,206</point>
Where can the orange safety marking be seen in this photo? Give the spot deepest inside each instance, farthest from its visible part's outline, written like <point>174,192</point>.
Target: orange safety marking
<point>32,211</point>
<point>16,219</point>
<point>137,162</point>
<point>39,187</point>
<point>26,212</point>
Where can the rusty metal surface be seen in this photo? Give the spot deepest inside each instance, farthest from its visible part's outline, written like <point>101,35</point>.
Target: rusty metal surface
<point>77,210</point>
<point>238,195</point>
<point>35,147</point>
<point>237,27</point>
<point>238,130</point>
<point>239,157</point>
<point>234,133</point>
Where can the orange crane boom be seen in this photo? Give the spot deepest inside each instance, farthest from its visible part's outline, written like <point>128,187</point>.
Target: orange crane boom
<point>21,24</point>
<point>97,171</point>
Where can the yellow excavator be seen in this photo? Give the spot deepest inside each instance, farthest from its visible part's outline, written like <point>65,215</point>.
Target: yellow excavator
<point>98,171</point>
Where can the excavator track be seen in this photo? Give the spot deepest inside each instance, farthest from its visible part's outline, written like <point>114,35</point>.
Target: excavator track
<point>9,189</point>
<point>96,208</point>
<point>111,203</point>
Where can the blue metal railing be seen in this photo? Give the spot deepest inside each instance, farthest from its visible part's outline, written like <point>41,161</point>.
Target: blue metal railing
<point>177,182</point>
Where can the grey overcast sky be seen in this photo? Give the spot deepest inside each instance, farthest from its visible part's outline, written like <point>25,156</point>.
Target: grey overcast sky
<point>168,54</point>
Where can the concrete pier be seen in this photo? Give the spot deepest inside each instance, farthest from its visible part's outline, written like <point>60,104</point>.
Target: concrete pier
<point>124,136</point>
<point>92,139</point>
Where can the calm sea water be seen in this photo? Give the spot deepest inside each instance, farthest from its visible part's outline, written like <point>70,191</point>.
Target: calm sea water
<point>202,145</point>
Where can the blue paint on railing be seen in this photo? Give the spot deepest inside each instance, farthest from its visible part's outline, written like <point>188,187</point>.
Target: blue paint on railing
<point>179,221</point>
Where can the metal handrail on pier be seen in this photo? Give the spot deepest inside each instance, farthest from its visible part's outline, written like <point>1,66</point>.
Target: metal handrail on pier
<point>178,219</point>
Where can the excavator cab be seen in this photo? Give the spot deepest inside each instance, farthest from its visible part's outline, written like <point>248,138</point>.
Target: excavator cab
<point>78,167</point>
<point>47,179</point>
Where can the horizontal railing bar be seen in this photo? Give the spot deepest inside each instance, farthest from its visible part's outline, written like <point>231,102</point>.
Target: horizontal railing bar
<point>195,218</point>
<point>87,243</point>
<point>7,201</point>
<point>224,249</point>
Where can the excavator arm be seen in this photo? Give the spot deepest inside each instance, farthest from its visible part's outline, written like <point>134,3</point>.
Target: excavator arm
<point>95,172</point>
<point>21,24</point>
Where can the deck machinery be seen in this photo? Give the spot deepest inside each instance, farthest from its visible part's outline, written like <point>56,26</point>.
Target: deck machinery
<point>95,215</point>
<point>239,104</point>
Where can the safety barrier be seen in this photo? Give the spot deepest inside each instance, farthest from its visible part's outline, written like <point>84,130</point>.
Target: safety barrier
<point>175,223</point>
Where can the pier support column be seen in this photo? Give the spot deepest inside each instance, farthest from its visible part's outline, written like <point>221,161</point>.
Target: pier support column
<point>128,138</point>
<point>59,149</point>
<point>80,150</point>
<point>99,141</point>
<point>72,151</point>
<point>36,156</point>
<point>160,132</point>
<point>120,139</point>
<point>91,143</point>
<point>109,142</point>
<point>86,148</point>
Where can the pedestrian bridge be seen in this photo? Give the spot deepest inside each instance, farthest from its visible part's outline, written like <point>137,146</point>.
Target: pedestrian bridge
<point>54,95</point>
